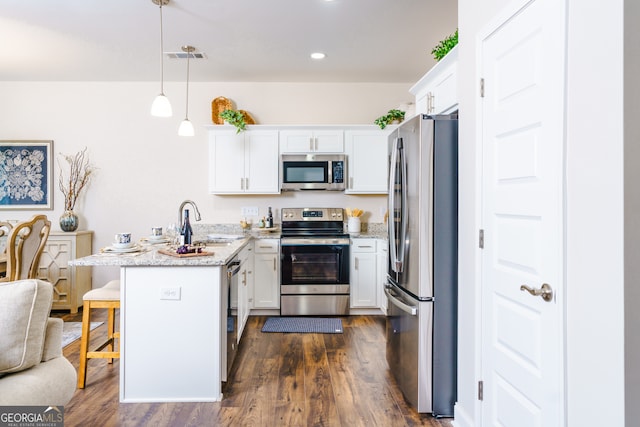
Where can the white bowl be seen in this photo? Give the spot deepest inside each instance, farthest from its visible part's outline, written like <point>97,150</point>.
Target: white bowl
<point>122,245</point>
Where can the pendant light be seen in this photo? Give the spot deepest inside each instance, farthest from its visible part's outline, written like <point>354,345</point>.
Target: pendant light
<point>161,106</point>
<point>186,127</point>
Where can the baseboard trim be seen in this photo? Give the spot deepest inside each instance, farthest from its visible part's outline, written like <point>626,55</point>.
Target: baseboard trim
<point>461,418</point>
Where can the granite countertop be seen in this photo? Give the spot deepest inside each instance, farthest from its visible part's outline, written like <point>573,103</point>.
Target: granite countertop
<point>149,256</point>
<point>371,231</point>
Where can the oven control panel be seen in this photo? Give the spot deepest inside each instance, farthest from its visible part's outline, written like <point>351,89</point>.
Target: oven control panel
<point>312,214</point>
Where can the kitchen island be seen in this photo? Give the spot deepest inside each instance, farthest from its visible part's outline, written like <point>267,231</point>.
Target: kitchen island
<point>173,323</point>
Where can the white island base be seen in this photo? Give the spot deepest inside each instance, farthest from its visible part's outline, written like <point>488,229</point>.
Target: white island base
<point>172,340</point>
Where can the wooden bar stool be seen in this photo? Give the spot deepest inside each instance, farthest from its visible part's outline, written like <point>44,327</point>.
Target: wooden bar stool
<point>107,297</point>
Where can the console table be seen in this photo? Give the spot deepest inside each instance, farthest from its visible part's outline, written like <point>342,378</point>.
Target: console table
<point>69,283</point>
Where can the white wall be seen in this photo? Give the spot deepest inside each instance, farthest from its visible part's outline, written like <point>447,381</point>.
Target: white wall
<point>146,170</point>
<point>594,214</point>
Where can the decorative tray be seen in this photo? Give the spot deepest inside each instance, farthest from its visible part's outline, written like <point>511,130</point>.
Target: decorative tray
<point>218,105</point>
<point>177,255</point>
<point>265,229</point>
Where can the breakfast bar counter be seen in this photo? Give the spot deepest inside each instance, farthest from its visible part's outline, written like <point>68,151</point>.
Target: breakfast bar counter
<point>173,323</point>
<point>149,256</point>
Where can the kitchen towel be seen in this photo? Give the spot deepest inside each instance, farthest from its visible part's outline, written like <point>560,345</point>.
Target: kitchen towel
<point>303,325</point>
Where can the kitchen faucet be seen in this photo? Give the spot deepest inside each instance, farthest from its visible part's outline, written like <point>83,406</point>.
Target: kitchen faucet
<point>182,205</point>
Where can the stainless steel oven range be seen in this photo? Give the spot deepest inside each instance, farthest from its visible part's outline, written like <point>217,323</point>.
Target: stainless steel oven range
<point>314,262</point>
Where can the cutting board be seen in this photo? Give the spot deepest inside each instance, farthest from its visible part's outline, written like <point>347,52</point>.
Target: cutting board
<point>177,255</point>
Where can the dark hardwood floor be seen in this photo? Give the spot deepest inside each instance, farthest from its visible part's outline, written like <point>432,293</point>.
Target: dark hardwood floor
<point>277,380</point>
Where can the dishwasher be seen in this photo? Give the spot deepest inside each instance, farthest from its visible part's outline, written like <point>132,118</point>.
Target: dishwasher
<point>230,316</point>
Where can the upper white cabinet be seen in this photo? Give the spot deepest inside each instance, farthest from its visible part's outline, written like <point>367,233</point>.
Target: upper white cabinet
<point>437,91</point>
<point>312,141</point>
<point>244,163</point>
<point>367,161</point>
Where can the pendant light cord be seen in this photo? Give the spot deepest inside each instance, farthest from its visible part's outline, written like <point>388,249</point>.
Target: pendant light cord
<point>187,109</point>
<point>161,53</point>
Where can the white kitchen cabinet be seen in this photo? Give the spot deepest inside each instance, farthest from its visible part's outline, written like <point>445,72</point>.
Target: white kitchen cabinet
<point>437,91</point>
<point>312,141</point>
<point>244,163</point>
<point>266,284</point>
<point>383,262</point>
<point>245,287</point>
<point>364,274</point>
<point>69,283</point>
<point>367,161</point>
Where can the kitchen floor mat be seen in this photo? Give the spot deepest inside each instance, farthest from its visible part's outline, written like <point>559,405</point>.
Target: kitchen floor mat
<point>303,325</point>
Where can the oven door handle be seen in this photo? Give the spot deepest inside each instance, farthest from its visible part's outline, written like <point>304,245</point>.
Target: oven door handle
<point>313,242</point>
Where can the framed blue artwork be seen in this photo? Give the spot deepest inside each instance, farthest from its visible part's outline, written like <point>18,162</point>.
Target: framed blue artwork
<point>26,175</point>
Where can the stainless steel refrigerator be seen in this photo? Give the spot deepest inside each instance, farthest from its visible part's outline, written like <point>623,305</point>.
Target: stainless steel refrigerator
<point>422,273</point>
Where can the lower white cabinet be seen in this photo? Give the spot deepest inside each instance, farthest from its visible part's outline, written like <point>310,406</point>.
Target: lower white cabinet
<point>69,283</point>
<point>364,274</point>
<point>383,263</point>
<point>245,287</point>
<point>266,283</point>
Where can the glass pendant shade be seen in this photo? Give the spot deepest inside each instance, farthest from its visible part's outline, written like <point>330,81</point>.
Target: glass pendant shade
<point>186,128</point>
<point>161,106</point>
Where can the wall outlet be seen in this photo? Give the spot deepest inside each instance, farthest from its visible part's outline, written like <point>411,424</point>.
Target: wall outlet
<point>170,294</point>
<point>249,211</point>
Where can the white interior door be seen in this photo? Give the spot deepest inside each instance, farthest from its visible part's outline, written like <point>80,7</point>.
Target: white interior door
<point>522,216</point>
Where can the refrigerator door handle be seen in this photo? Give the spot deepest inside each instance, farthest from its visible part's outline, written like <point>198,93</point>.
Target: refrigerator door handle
<point>397,243</point>
<point>393,249</point>
<point>402,306</point>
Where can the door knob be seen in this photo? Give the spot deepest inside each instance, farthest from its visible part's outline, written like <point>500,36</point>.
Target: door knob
<point>545,291</point>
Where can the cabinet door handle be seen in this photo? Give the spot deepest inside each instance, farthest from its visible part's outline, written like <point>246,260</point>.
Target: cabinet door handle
<point>357,264</point>
<point>246,183</point>
<point>351,182</point>
<point>274,264</point>
<point>311,144</point>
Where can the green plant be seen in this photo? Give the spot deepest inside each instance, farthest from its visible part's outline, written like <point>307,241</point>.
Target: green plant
<point>391,115</point>
<point>235,118</point>
<point>444,46</point>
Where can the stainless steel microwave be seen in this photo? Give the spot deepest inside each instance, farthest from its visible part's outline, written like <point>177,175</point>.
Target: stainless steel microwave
<point>313,172</point>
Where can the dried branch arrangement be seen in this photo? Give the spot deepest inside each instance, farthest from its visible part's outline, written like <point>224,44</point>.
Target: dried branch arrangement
<point>80,171</point>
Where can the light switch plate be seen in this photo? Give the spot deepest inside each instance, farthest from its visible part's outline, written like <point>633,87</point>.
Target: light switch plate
<point>170,293</point>
<point>249,211</point>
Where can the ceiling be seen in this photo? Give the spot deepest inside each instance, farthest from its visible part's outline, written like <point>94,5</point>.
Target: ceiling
<point>243,40</point>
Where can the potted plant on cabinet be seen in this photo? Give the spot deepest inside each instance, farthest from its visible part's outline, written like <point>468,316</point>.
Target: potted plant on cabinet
<point>235,118</point>
<point>390,117</point>
<point>444,46</point>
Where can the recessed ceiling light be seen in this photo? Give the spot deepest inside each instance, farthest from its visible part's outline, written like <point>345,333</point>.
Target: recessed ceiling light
<point>318,55</point>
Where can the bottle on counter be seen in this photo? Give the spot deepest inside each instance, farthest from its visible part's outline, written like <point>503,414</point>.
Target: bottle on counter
<point>269,222</point>
<point>187,232</point>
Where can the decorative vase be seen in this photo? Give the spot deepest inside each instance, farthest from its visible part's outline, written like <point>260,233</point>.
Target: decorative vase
<point>69,221</point>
